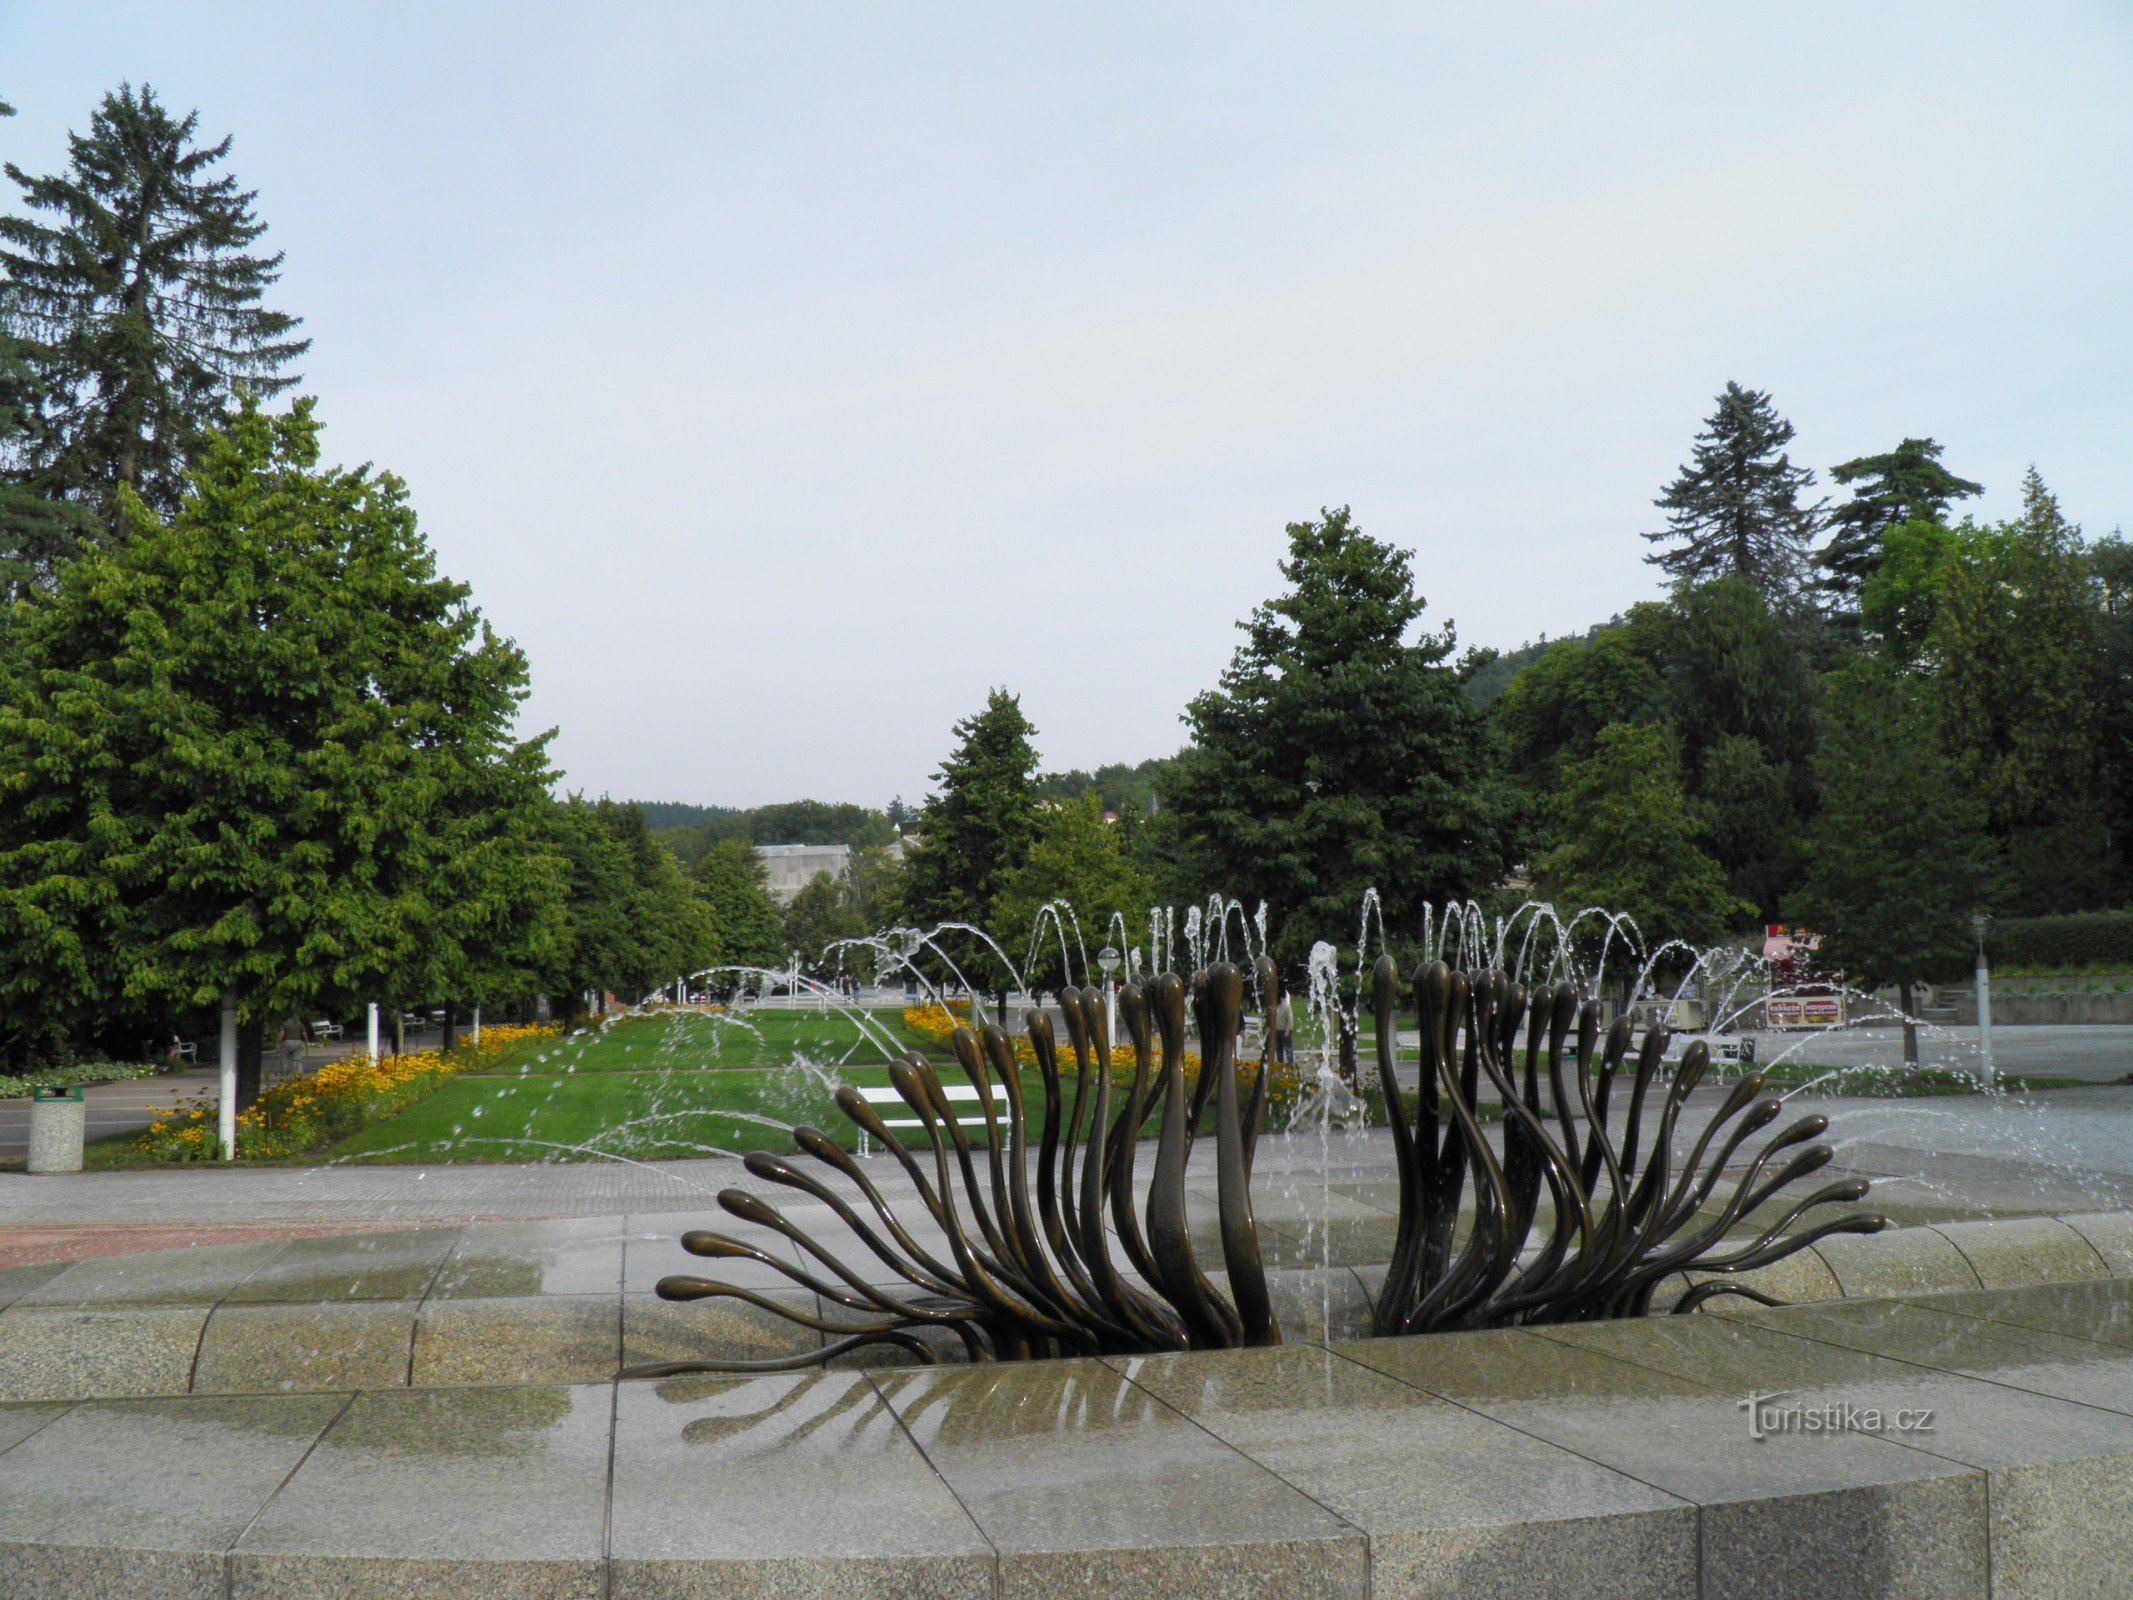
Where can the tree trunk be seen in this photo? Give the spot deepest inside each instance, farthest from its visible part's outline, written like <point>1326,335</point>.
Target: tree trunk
<point>399,1032</point>
<point>1910,1026</point>
<point>251,1039</point>
<point>451,1028</point>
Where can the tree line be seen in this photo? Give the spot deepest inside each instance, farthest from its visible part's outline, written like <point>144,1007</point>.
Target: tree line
<point>1872,717</point>
<point>254,746</point>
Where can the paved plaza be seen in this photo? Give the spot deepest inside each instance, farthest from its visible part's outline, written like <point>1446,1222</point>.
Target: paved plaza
<point>394,1380</point>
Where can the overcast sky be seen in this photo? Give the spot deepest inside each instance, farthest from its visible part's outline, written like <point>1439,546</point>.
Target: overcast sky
<point>784,376</point>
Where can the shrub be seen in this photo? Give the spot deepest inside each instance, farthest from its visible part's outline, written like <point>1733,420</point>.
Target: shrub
<point>2083,939</point>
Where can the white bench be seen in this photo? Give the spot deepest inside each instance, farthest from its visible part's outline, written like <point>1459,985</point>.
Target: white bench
<point>885,1095</point>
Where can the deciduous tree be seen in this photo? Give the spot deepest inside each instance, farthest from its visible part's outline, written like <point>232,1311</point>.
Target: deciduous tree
<point>261,750</point>
<point>1898,856</point>
<point>1625,837</point>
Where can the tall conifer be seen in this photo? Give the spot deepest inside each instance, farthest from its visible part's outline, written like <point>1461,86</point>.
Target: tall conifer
<point>1734,511</point>
<point>1906,484</point>
<point>133,295</point>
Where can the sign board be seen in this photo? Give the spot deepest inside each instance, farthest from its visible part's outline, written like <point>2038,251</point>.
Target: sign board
<point>1810,1009</point>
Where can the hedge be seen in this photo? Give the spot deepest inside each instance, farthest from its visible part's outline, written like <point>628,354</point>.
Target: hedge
<point>2081,939</point>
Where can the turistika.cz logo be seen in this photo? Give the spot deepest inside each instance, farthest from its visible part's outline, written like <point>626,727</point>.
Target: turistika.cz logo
<point>1771,1415</point>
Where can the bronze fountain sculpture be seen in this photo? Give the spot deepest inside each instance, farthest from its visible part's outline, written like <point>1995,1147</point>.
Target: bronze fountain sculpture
<point>1014,1275</point>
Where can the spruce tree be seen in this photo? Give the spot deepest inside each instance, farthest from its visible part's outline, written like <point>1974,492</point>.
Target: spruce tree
<point>1906,484</point>
<point>1734,511</point>
<point>977,830</point>
<point>1339,754</point>
<point>137,308</point>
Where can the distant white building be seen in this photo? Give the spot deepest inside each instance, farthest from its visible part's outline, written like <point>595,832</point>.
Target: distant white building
<point>789,868</point>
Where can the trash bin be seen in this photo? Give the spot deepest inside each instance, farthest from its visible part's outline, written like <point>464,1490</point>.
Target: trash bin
<point>57,1119</point>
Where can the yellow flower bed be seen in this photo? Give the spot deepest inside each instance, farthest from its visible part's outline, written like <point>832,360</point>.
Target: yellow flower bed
<point>1284,1087</point>
<point>315,1108</point>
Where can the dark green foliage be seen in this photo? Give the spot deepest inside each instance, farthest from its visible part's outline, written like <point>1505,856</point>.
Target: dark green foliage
<point>1336,755</point>
<point>633,922</point>
<point>2081,939</point>
<point>135,302</point>
<point>1734,511</point>
<point>664,816</point>
<point>1079,858</point>
<point>262,749</point>
<point>744,919</point>
<point>1552,712</point>
<point>821,913</point>
<point>1898,857</point>
<point>1120,789</point>
<point>976,831</point>
<point>37,532</point>
<point>2111,560</point>
<point>1907,484</point>
<point>1730,681</point>
<point>2006,623</point>
<point>1491,671</point>
<point>789,822</point>
<point>1626,839</point>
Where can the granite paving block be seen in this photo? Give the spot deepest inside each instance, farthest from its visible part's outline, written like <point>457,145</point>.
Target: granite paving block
<point>1086,1484</point>
<point>464,1492</point>
<point>2102,1310</point>
<point>1454,1503</point>
<point>715,1329</point>
<point>361,1266</point>
<point>1921,1518</point>
<point>1999,1352</point>
<point>197,1277</point>
<point>2068,1504</point>
<point>1978,1423</point>
<point>259,1349</point>
<point>811,1485</point>
<point>2109,1233</point>
<point>576,1255</point>
<point>15,1282</point>
<point>2009,1252</point>
<point>71,1355</point>
<point>142,1497</point>
<point>18,1422</point>
<point>522,1339</point>
<point>1895,1261</point>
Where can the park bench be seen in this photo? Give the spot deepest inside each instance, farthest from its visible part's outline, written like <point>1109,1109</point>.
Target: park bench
<point>883,1095</point>
<point>325,1030</point>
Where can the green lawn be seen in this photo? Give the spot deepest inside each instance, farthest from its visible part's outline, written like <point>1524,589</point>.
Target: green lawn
<point>686,1039</point>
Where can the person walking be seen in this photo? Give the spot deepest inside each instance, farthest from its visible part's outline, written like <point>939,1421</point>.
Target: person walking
<point>1284,1028</point>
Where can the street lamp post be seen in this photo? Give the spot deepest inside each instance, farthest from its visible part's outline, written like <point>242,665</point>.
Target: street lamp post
<point>1979,923</point>
<point>1107,960</point>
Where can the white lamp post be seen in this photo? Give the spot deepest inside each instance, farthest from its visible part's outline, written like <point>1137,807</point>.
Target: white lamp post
<point>1107,961</point>
<point>226,1087</point>
<point>1979,924</point>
